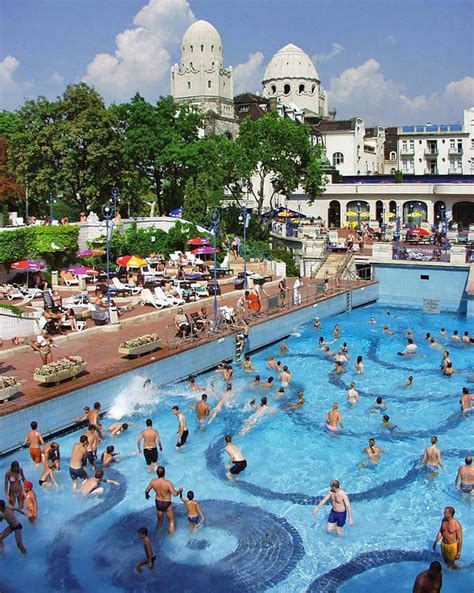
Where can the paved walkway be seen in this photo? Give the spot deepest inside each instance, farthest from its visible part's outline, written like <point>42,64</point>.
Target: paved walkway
<point>98,346</point>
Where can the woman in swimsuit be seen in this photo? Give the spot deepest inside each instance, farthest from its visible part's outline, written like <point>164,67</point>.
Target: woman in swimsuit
<point>195,515</point>
<point>359,367</point>
<point>373,452</point>
<point>14,479</point>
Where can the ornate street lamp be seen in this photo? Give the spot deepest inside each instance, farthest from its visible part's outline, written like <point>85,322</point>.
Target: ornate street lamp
<point>215,217</point>
<point>243,218</point>
<point>51,201</point>
<point>108,212</point>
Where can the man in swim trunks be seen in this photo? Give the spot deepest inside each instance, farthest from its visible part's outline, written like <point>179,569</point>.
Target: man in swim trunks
<point>164,489</point>
<point>340,508</point>
<point>182,431</point>
<point>450,534</point>
<point>119,427</point>
<point>76,464</point>
<point>268,384</point>
<point>429,581</point>
<point>13,526</point>
<point>51,461</point>
<point>151,442</point>
<point>465,478</point>
<point>352,394</point>
<point>92,486</point>
<point>236,458</point>
<point>466,401</point>
<point>432,457</point>
<point>92,435</point>
<point>202,410</point>
<point>35,440</point>
<point>334,418</point>
<point>271,364</point>
<point>285,377</point>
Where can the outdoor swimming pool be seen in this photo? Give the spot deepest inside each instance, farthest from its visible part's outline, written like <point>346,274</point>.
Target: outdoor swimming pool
<point>259,533</point>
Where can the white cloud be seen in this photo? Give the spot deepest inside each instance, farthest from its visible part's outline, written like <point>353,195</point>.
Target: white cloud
<point>391,40</point>
<point>12,91</point>
<point>337,48</point>
<point>248,76</point>
<point>141,61</point>
<point>56,79</point>
<point>364,91</point>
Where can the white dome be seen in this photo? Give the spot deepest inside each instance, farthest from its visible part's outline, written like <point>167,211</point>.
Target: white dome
<point>290,62</point>
<point>202,32</point>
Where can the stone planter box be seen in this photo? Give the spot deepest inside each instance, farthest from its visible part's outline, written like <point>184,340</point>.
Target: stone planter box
<point>62,375</point>
<point>7,392</point>
<point>139,350</point>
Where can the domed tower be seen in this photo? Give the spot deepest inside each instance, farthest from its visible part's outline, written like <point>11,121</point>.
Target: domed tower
<point>201,79</point>
<point>292,78</point>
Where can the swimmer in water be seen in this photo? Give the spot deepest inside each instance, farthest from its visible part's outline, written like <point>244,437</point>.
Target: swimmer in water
<point>387,424</point>
<point>373,453</point>
<point>195,514</point>
<point>449,369</point>
<point>432,458</point>
<point>466,401</point>
<point>327,352</point>
<point>442,332</point>
<point>334,419</point>
<point>410,348</point>
<point>225,397</point>
<point>202,411</point>
<point>271,363</point>
<point>387,330</point>
<point>109,456</point>
<point>336,332</point>
<point>256,381</point>
<point>341,507</point>
<point>268,384</point>
<point>260,412</point>
<point>283,348</point>
<point>466,339</point>
<point>378,406</point>
<point>297,404</point>
<point>285,377</point>
<point>409,382</point>
<point>435,344</point>
<point>359,367</point>
<point>92,486</point>
<point>339,368</point>
<point>247,364</point>
<point>322,342</point>
<point>455,337</point>
<point>31,504</point>
<point>119,427</point>
<point>372,320</point>
<point>280,393</point>
<point>192,383</point>
<point>317,323</point>
<point>352,394</point>
<point>465,478</point>
<point>147,383</point>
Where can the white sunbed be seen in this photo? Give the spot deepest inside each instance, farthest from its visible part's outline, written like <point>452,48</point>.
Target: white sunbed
<point>169,298</point>
<point>147,298</point>
<point>121,287</point>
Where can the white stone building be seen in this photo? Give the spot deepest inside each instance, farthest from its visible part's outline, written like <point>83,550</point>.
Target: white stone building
<point>433,149</point>
<point>292,79</point>
<point>202,80</point>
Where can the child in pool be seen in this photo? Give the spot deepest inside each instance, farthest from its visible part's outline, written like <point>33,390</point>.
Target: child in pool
<point>195,515</point>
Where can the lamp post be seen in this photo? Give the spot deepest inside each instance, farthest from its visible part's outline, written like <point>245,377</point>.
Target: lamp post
<point>444,222</point>
<point>384,228</point>
<point>108,213</point>
<point>115,197</point>
<point>215,218</point>
<point>51,201</point>
<point>243,218</point>
<point>397,233</point>
<point>358,217</point>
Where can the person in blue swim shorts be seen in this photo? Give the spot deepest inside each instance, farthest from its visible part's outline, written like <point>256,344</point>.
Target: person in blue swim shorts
<point>341,507</point>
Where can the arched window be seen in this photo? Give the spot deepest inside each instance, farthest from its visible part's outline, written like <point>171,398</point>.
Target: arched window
<point>414,213</point>
<point>212,48</point>
<point>393,155</point>
<point>189,85</point>
<point>202,47</point>
<point>191,48</point>
<point>287,89</point>
<point>313,88</point>
<point>379,211</point>
<point>337,158</point>
<point>301,88</point>
<point>334,214</point>
<point>274,89</point>
<point>209,84</point>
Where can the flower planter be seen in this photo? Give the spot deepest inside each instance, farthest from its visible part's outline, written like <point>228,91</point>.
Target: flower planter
<point>139,350</point>
<point>61,375</point>
<point>7,392</point>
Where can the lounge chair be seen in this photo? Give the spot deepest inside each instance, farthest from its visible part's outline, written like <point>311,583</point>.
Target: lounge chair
<point>169,298</point>
<point>200,290</point>
<point>148,299</point>
<point>69,279</point>
<point>121,287</point>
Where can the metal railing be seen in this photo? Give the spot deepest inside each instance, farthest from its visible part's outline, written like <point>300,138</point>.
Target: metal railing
<point>421,253</point>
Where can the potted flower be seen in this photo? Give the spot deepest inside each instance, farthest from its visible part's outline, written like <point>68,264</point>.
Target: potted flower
<point>55,372</point>
<point>8,387</point>
<point>140,345</point>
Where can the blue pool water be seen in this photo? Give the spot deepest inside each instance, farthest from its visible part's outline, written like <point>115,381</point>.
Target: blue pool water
<point>259,533</point>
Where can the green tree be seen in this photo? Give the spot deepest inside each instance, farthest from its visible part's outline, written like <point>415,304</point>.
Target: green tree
<point>280,150</point>
<point>200,197</point>
<point>159,145</point>
<point>70,146</point>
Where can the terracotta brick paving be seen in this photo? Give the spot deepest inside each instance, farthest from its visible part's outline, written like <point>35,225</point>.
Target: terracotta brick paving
<point>98,346</point>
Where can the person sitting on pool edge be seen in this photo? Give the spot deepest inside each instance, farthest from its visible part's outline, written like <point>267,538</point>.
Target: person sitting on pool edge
<point>340,508</point>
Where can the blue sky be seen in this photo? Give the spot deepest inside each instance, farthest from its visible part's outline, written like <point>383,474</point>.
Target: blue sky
<point>388,61</point>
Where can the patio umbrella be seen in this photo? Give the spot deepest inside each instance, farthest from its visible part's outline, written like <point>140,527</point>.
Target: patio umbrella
<point>82,270</point>
<point>420,232</point>
<point>204,250</point>
<point>131,261</point>
<point>176,213</point>
<point>356,215</point>
<point>90,252</point>
<point>28,265</point>
<point>198,241</point>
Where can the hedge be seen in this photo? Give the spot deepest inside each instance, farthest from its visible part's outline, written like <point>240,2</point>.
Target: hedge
<point>37,241</point>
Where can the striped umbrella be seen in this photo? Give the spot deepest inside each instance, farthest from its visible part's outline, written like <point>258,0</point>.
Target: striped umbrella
<point>28,265</point>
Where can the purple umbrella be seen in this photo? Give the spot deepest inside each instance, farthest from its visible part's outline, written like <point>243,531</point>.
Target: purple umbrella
<point>203,250</point>
<point>81,270</point>
<point>90,252</point>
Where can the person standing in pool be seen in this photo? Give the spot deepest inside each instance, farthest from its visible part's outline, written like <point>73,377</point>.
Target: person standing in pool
<point>195,514</point>
<point>76,463</point>
<point>182,431</point>
<point>466,401</point>
<point>151,442</point>
<point>341,507</point>
<point>202,410</point>
<point>164,490</point>
<point>13,526</point>
<point>450,534</point>
<point>285,377</point>
<point>236,458</point>
<point>465,477</point>
<point>299,403</point>
<point>92,435</point>
<point>432,458</point>
<point>429,581</point>
<point>373,452</point>
<point>149,555</point>
<point>352,394</point>
<point>31,503</point>
<point>34,439</point>
<point>334,418</point>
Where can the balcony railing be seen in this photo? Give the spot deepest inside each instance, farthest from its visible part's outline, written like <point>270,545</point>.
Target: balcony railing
<point>458,151</point>
<point>431,152</point>
<point>432,171</point>
<point>407,151</point>
<point>455,171</point>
